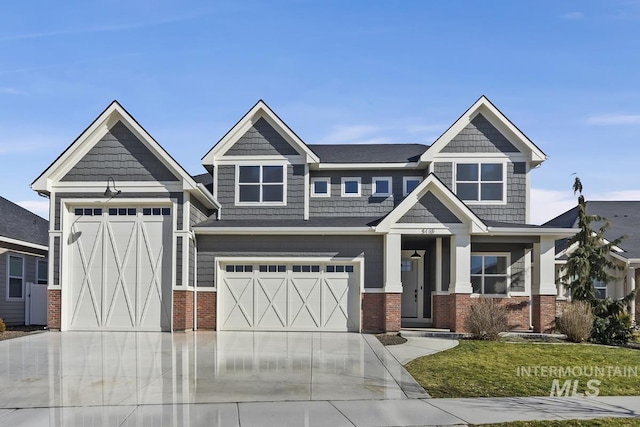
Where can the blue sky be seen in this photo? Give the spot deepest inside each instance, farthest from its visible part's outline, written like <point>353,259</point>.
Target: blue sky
<point>566,73</point>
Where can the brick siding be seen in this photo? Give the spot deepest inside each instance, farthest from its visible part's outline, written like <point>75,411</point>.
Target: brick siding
<point>381,312</point>
<point>182,310</point>
<point>54,309</point>
<point>544,313</point>
<point>441,311</point>
<point>206,314</point>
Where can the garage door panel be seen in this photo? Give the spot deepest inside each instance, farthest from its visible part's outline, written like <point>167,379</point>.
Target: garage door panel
<point>305,302</point>
<point>238,294</point>
<point>336,302</point>
<point>271,302</point>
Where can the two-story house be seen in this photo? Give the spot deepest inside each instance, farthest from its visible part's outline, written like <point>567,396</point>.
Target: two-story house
<point>281,235</point>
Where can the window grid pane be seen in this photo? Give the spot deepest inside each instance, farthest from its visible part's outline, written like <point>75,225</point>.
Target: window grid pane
<point>489,274</point>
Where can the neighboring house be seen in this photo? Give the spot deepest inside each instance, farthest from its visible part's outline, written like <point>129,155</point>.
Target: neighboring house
<point>625,221</point>
<point>284,235</point>
<point>23,261</point>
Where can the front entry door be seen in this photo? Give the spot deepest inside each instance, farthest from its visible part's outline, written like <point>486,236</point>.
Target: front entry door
<point>410,288</point>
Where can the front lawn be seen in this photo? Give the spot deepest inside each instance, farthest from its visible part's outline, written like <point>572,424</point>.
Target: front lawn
<point>603,422</point>
<point>495,369</point>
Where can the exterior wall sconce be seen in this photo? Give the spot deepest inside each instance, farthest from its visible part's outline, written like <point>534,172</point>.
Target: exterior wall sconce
<point>109,192</point>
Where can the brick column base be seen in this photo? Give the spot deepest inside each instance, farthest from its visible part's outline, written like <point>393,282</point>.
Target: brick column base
<point>182,310</point>
<point>381,312</point>
<point>54,309</point>
<point>206,314</point>
<point>459,305</point>
<point>544,313</point>
<point>441,315</point>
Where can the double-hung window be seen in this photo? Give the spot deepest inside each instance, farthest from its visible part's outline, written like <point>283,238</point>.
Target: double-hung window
<point>480,182</point>
<point>261,184</point>
<point>490,274</point>
<point>15,285</point>
<point>600,289</point>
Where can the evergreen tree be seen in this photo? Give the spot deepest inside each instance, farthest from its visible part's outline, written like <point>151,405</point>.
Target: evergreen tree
<point>588,263</point>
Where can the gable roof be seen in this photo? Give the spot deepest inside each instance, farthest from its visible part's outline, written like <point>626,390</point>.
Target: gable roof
<point>433,184</point>
<point>17,224</point>
<point>111,115</point>
<point>498,120</point>
<point>625,221</point>
<point>258,111</point>
<point>368,153</point>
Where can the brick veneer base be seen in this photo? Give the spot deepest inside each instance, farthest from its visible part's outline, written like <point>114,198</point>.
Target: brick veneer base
<point>381,312</point>
<point>544,313</point>
<point>206,314</point>
<point>441,315</point>
<point>459,305</point>
<point>54,308</point>
<point>450,311</point>
<point>182,310</point>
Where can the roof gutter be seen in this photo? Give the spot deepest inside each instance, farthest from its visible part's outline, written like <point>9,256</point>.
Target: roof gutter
<point>283,230</point>
<point>511,231</point>
<point>23,243</point>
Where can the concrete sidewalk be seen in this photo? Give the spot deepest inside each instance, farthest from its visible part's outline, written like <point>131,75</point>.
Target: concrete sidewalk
<point>359,413</point>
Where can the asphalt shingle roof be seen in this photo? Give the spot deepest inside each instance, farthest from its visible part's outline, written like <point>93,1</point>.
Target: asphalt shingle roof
<point>368,153</point>
<point>623,215</point>
<point>329,222</point>
<point>20,224</point>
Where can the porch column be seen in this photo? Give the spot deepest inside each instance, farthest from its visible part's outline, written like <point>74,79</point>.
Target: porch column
<point>460,288</point>
<point>631,280</point>
<point>543,289</point>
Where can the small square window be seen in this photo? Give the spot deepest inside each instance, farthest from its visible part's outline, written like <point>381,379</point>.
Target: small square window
<point>113,211</point>
<point>122,211</point>
<point>348,268</point>
<point>409,183</point>
<point>297,268</point>
<point>78,211</point>
<point>351,187</point>
<point>248,268</point>
<point>146,211</point>
<point>320,187</point>
<point>156,211</point>
<point>132,211</point>
<point>330,269</point>
<point>97,212</point>
<point>315,268</point>
<point>282,269</point>
<point>166,211</point>
<point>339,268</point>
<point>381,187</point>
<point>306,268</point>
<point>230,268</point>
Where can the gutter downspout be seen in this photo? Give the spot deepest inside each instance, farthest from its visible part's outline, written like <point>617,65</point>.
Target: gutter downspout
<point>195,282</point>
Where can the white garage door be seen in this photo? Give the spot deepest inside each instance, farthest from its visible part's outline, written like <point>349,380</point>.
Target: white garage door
<point>120,267</point>
<point>289,297</point>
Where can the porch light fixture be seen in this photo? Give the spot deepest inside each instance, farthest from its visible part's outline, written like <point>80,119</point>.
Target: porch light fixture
<point>415,255</point>
<point>109,192</point>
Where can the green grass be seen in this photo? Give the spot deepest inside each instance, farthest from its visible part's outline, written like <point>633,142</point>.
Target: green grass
<point>603,422</point>
<point>490,369</point>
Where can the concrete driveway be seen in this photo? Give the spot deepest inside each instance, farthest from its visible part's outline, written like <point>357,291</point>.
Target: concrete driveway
<point>75,369</point>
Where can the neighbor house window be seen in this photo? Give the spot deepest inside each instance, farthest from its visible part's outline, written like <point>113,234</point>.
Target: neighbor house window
<point>480,182</point>
<point>320,187</point>
<point>600,289</point>
<point>409,183</point>
<point>15,285</point>
<point>351,187</point>
<point>260,184</point>
<point>489,274</point>
<point>381,187</point>
<point>43,272</point>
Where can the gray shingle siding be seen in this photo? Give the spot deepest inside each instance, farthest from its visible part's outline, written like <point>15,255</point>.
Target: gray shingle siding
<point>430,210</point>
<point>479,136</point>
<point>12,312</point>
<point>119,154</point>
<point>261,140</point>
<point>295,196</point>
<point>513,211</point>
<point>517,260</point>
<point>372,247</point>
<point>366,204</point>
<point>198,212</point>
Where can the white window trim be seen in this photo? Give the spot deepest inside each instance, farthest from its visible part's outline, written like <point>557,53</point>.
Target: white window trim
<point>499,254</point>
<point>351,178</point>
<point>9,276</point>
<point>284,185</point>
<point>313,188</point>
<point>604,286</point>
<point>409,178</point>
<point>38,267</point>
<point>374,187</point>
<point>479,163</point>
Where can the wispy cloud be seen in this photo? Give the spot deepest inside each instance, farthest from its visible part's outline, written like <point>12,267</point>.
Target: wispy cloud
<point>614,119</point>
<point>38,207</point>
<point>573,15</point>
<point>10,91</point>
<point>97,29</point>
<point>370,134</point>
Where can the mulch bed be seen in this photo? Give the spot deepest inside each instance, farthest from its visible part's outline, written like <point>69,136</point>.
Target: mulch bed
<point>19,331</point>
<point>391,339</point>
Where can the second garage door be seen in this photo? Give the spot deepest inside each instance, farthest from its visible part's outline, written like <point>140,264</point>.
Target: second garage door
<point>289,296</point>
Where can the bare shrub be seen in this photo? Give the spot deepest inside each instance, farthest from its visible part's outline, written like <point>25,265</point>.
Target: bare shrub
<point>576,321</point>
<point>486,319</point>
<point>3,327</point>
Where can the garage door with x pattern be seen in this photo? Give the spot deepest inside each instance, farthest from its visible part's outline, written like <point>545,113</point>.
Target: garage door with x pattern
<point>289,297</point>
<point>120,268</point>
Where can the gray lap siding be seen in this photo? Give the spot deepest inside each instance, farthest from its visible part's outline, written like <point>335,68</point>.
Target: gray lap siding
<point>12,312</point>
<point>371,247</point>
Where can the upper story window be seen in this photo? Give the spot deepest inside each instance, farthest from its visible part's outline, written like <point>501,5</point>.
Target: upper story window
<point>381,187</point>
<point>42,271</point>
<point>480,182</point>
<point>409,183</point>
<point>351,187</point>
<point>600,289</point>
<point>15,285</point>
<point>320,187</point>
<point>490,274</point>
<point>260,184</point>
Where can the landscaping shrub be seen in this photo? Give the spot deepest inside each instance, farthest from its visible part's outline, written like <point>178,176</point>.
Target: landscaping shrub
<point>3,327</point>
<point>486,319</point>
<point>576,321</point>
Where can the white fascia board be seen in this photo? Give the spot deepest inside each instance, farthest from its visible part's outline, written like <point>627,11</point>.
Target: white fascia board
<point>558,233</point>
<point>284,230</point>
<point>367,166</point>
<point>207,197</point>
<point>137,186</point>
<point>259,110</point>
<point>23,243</point>
<point>497,119</point>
